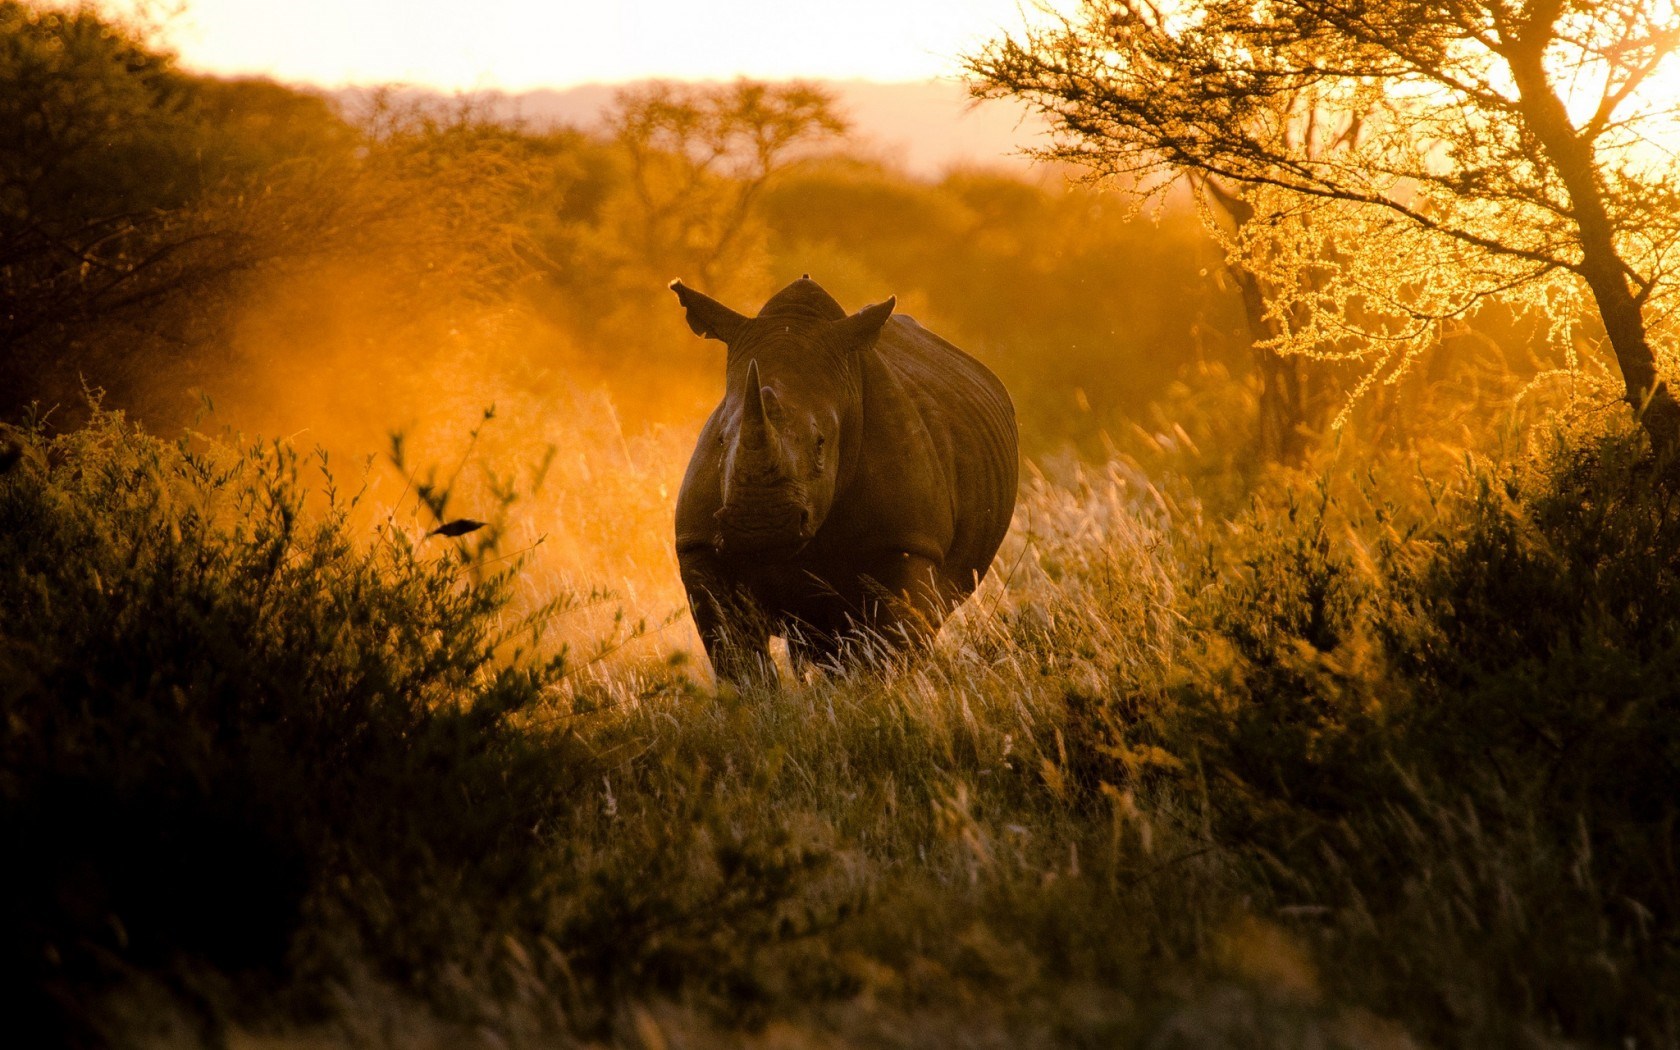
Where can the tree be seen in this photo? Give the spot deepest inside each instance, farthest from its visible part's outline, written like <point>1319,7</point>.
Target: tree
<point>699,157</point>
<point>143,210</point>
<point>93,150</point>
<point>123,193</point>
<point>1291,408</point>
<point>1494,149</point>
<point>675,191</point>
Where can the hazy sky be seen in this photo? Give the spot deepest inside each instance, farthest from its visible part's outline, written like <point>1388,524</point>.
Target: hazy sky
<point>517,44</point>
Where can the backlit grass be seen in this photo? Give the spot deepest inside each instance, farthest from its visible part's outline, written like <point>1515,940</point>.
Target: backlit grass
<point>1339,770</point>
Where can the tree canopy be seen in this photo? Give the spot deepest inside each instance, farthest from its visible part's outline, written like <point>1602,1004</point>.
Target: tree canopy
<point>699,156</point>
<point>1409,161</point>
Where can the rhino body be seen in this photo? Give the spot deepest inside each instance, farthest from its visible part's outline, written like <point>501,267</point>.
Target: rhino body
<point>855,482</point>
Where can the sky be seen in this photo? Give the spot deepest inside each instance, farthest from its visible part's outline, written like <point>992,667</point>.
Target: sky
<point>515,45</point>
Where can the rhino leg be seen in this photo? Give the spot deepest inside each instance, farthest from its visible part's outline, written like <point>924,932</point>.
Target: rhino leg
<point>733,628</point>
<point>810,646</point>
<point>908,602</point>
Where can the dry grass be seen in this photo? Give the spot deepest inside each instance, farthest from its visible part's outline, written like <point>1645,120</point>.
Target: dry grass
<point>1161,782</point>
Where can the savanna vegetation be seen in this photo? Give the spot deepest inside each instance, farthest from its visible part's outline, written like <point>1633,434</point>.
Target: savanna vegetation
<point>348,693</point>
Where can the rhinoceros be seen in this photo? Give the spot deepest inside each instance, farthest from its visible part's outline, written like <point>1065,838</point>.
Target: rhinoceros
<point>854,483</point>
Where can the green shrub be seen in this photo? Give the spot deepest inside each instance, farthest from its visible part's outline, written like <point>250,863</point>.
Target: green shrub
<point>1449,751</point>
<point>1540,648</point>
<point>219,710</point>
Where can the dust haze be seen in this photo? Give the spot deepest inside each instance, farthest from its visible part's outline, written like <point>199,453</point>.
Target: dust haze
<point>1322,692</point>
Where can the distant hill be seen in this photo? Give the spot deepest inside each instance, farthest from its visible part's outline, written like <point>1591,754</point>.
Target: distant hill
<point>922,127</point>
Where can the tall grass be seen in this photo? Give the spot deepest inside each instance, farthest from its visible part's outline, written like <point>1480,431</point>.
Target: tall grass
<point>1351,768</point>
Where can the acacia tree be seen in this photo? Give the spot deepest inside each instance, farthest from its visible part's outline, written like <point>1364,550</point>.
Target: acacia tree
<point>1291,404</point>
<point>94,152</point>
<point>673,191</point>
<point>700,155</point>
<point>1493,149</point>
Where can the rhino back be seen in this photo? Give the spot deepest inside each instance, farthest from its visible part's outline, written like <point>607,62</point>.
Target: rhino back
<point>969,422</point>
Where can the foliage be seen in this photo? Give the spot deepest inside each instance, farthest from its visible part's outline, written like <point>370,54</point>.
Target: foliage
<point>145,209</point>
<point>1086,310</point>
<point>689,166</point>
<point>1444,728</point>
<point>1361,761</point>
<point>1568,587</point>
<point>165,609</point>
<point>1410,161</point>
<point>92,118</point>
<point>699,157</point>
<point>246,743</point>
<point>95,160</point>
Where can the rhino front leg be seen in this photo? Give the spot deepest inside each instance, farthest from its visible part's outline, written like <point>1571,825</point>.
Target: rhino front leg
<point>909,602</point>
<point>733,627</point>
<point>811,647</point>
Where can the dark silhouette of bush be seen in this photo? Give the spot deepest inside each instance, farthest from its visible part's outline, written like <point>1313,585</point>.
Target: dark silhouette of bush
<point>145,208</point>
<point>1541,646</point>
<point>222,712</point>
<point>1457,739</point>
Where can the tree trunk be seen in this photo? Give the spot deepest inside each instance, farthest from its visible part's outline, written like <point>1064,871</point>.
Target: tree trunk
<point>1602,266</point>
<point>1282,423</point>
<point>1282,435</point>
<point>1652,400</point>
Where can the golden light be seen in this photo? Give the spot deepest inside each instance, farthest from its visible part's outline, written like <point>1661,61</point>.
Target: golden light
<point>522,44</point>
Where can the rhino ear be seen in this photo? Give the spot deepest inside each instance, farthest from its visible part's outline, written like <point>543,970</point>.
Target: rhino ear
<point>706,316</point>
<point>859,331</point>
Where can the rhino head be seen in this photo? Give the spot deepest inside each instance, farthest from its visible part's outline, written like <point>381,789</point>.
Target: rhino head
<point>790,415</point>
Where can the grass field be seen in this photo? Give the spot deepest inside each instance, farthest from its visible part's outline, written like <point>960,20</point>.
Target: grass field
<point>1371,763</point>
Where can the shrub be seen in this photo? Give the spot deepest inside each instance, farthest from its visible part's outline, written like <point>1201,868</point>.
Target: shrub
<point>1270,711</point>
<point>1450,752</point>
<point>219,710</point>
<point>1544,637</point>
<point>1540,647</point>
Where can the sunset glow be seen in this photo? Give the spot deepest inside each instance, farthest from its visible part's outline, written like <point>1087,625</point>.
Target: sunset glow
<point>767,523</point>
<point>522,44</point>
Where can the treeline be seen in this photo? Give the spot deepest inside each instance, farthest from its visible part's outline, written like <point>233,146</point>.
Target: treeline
<point>168,232</point>
<point>146,209</point>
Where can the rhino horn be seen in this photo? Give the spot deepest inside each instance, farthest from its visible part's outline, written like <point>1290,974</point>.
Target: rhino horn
<point>758,431</point>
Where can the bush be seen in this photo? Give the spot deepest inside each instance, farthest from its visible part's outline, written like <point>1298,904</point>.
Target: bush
<point>1540,648</point>
<point>220,712</point>
<point>1544,636</point>
<point>1455,746</point>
